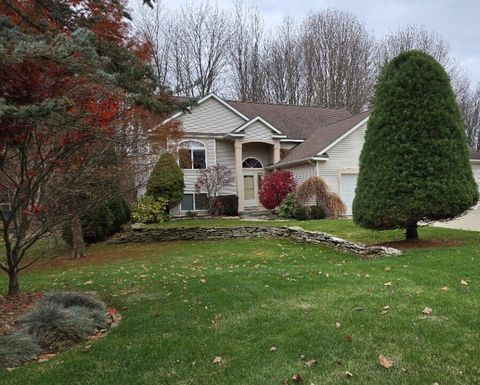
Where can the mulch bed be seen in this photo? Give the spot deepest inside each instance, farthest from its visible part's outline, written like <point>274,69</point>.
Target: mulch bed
<point>421,243</point>
<point>13,307</point>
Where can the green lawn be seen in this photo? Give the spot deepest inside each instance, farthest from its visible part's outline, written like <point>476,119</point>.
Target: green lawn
<point>185,303</point>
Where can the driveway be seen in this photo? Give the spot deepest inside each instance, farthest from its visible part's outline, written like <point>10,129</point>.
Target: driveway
<point>469,221</point>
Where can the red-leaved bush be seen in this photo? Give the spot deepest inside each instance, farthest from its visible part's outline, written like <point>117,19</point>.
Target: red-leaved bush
<point>275,187</point>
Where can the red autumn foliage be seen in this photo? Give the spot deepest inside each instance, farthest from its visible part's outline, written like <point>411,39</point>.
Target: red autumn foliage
<point>275,187</point>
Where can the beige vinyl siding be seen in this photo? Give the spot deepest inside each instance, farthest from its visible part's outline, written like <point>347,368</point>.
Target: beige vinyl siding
<point>226,157</point>
<point>303,172</point>
<point>210,117</point>
<point>261,151</point>
<point>342,158</point>
<point>258,132</point>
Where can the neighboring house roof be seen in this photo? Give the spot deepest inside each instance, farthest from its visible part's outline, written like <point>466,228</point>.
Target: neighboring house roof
<point>323,138</point>
<point>297,122</point>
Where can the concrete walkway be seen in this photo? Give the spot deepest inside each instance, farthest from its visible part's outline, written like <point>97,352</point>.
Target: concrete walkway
<point>469,221</point>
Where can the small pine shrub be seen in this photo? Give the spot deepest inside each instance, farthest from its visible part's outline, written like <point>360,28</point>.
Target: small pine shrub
<point>55,327</point>
<point>150,210</point>
<point>98,225</point>
<point>126,210</point>
<point>229,205</point>
<point>120,217</point>
<point>166,180</point>
<point>287,207</point>
<point>300,213</point>
<point>316,212</point>
<point>17,348</point>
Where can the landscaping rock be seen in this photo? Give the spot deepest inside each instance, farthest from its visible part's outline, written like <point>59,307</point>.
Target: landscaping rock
<point>144,235</point>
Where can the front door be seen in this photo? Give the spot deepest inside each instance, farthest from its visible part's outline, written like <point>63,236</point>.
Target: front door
<point>250,185</point>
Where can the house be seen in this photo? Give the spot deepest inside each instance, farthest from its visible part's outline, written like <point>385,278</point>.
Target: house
<point>253,139</point>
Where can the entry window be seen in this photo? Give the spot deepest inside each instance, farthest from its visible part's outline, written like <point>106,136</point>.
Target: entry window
<point>192,155</point>
<point>252,163</point>
<point>249,187</point>
<point>194,202</point>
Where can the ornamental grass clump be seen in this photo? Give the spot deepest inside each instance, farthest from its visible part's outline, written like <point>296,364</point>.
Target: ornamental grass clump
<point>316,190</point>
<point>55,327</point>
<point>96,309</point>
<point>17,349</point>
<point>64,318</point>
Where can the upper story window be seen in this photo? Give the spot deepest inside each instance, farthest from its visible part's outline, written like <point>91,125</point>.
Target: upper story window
<point>251,163</point>
<point>191,155</point>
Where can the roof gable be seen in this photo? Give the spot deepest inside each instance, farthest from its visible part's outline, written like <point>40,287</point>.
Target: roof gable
<point>297,122</point>
<point>204,99</point>
<point>324,138</point>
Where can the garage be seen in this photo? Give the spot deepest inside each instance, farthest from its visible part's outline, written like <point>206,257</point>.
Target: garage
<point>348,184</point>
<point>476,173</point>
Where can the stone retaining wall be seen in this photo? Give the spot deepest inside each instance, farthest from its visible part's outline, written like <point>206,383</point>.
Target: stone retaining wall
<point>249,232</point>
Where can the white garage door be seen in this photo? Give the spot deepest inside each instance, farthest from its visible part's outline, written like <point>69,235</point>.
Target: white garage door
<point>476,174</point>
<point>348,185</point>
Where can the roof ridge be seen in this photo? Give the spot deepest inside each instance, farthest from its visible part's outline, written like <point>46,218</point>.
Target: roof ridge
<point>288,105</point>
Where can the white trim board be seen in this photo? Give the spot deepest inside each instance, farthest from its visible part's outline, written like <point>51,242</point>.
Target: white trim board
<point>257,119</point>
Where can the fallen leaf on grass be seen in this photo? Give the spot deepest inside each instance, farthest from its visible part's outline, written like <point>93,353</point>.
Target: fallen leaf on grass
<point>385,362</point>
<point>427,311</point>
<point>45,357</point>
<point>87,348</point>
<point>337,325</point>
<point>88,282</point>
<point>217,360</point>
<point>349,338</point>
<point>445,288</point>
<point>297,378</point>
<point>389,283</point>
<point>463,282</point>
<point>387,268</point>
<point>311,363</point>
<point>348,375</point>
<point>273,349</point>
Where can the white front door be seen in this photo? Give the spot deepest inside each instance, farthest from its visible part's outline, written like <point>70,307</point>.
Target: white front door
<point>348,185</point>
<point>251,181</point>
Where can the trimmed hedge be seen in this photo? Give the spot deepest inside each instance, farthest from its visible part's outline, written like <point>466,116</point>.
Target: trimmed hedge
<point>102,222</point>
<point>229,205</point>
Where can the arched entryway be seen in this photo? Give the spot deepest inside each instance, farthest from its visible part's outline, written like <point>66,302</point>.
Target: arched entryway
<point>252,173</point>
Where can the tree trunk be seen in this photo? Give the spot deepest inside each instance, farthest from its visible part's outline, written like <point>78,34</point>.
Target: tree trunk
<point>13,281</point>
<point>78,243</point>
<point>412,231</point>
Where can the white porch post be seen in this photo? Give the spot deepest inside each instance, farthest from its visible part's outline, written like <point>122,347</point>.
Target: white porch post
<point>239,174</point>
<point>276,151</point>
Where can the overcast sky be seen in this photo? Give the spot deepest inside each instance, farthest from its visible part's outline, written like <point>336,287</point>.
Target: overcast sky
<point>458,22</point>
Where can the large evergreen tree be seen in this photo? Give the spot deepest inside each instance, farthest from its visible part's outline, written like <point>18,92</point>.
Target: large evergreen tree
<point>70,73</point>
<point>414,164</point>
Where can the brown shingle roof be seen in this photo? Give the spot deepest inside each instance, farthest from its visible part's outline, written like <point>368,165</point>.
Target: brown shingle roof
<point>297,122</point>
<point>321,138</point>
